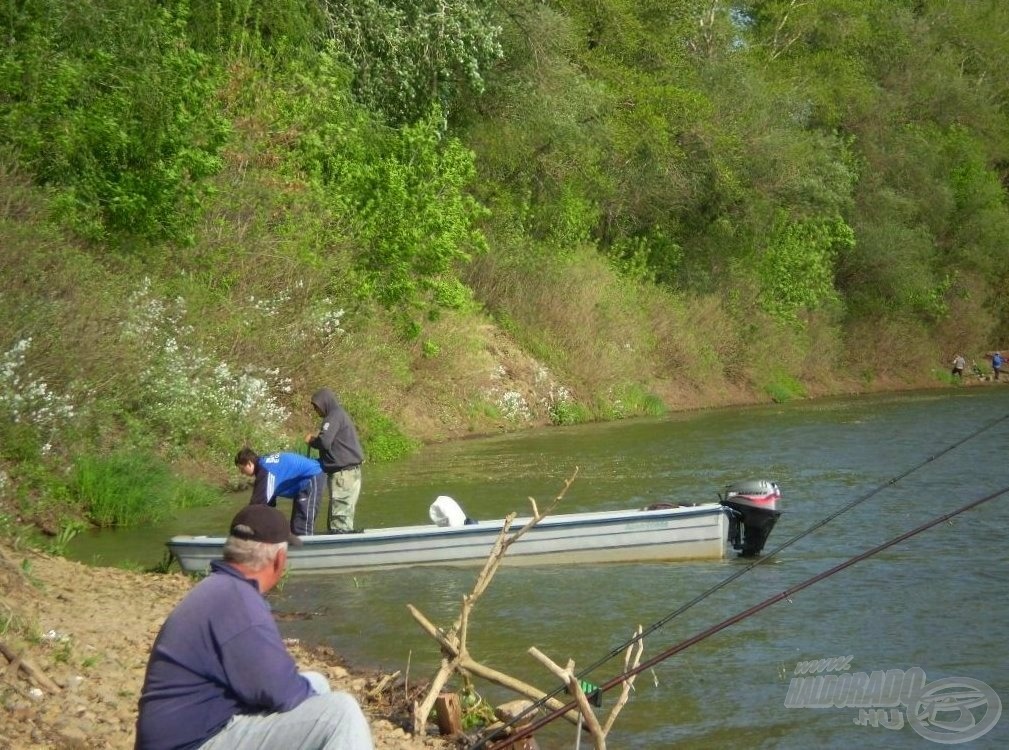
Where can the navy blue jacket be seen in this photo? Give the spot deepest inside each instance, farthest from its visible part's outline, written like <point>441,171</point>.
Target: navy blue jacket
<point>218,654</point>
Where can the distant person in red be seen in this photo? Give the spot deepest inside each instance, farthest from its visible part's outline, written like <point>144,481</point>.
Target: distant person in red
<point>341,457</point>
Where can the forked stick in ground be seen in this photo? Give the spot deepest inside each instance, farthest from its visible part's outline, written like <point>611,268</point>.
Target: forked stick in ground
<point>632,657</point>
<point>455,657</point>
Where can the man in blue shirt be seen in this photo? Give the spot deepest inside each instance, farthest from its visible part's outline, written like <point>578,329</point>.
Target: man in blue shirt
<point>219,676</point>
<point>285,475</point>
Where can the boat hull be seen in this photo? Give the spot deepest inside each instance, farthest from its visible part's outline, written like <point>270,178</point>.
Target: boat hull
<point>691,532</point>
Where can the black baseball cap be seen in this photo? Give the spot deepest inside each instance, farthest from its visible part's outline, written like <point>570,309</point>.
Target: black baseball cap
<point>261,523</point>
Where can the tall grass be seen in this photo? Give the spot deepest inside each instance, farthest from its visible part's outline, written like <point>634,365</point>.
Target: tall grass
<point>131,488</point>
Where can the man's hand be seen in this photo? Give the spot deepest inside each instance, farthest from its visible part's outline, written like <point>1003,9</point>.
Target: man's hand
<point>309,436</point>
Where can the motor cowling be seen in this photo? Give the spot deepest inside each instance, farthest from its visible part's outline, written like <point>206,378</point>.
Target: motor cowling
<point>753,510</point>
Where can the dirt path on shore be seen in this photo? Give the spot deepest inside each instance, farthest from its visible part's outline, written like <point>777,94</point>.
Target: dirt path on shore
<point>85,633</point>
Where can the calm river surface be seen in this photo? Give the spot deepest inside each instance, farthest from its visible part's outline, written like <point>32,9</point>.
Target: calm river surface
<point>937,601</point>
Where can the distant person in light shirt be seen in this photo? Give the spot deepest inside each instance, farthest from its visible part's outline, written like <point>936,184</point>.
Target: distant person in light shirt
<point>958,364</point>
<point>219,676</point>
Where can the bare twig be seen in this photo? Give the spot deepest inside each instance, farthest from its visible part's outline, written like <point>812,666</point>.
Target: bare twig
<point>387,680</point>
<point>452,641</point>
<point>567,675</point>
<point>34,673</point>
<point>632,657</point>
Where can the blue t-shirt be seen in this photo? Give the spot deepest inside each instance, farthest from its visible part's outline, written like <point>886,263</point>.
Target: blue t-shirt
<point>218,654</point>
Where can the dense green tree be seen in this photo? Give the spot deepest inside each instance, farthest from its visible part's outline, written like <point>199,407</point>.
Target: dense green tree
<point>910,87</point>
<point>106,102</point>
<point>242,28</point>
<point>399,196</point>
<point>410,55</point>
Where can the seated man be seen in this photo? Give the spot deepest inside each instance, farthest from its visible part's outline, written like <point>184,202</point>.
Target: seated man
<point>219,675</point>
<point>285,475</point>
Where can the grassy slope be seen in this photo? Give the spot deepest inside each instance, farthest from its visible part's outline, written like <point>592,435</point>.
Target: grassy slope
<point>135,342</point>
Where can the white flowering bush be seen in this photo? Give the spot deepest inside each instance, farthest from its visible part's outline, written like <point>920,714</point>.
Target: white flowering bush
<point>509,403</point>
<point>327,318</point>
<point>557,400</point>
<point>188,391</point>
<point>26,397</point>
<point>513,406</point>
<point>551,400</point>
<point>269,307</point>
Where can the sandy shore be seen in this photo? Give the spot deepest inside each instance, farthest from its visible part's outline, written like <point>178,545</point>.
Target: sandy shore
<point>83,634</point>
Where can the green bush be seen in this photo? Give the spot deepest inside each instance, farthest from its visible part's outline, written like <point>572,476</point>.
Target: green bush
<point>410,54</point>
<point>569,412</point>
<point>18,441</point>
<point>796,267</point>
<point>631,400</point>
<point>381,437</point>
<point>128,488</point>
<point>106,102</point>
<point>400,194</point>
<point>783,388</point>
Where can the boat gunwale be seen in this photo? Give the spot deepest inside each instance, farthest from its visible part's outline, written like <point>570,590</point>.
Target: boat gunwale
<point>493,526</point>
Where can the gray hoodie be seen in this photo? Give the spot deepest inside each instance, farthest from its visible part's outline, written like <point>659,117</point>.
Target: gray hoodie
<point>337,441</point>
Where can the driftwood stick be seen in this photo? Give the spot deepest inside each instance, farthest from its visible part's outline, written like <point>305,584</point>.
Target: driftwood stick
<point>599,739</point>
<point>515,685</point>
<point>448,641</point>
<point>34,673</point>
<point>496,556</point>
<point>420,713</point>
<point>433,630</point>
<point>453,640</point>
<point>568,676</point>
<point>493,561</point>
<point>463,630</point>
<point>632,658</point>
<point>406,677</point>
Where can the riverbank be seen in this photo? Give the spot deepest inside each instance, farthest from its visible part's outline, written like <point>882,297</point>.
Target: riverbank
<point>81,635</point>
<point>89,631</point>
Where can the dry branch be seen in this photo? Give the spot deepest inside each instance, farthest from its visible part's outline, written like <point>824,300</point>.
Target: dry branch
<point>384,683</point>
<point>34,673</point>
<point>568,676</point>
<point>632,658</point>
<point>452,641</point>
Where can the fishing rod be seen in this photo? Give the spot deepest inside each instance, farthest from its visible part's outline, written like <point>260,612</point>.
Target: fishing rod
<point>708,632</point>
<point>617,651</point>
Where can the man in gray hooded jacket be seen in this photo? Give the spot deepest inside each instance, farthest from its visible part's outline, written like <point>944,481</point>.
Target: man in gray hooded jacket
<point>341,456</point>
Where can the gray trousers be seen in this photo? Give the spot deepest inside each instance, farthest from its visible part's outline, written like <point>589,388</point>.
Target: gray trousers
<point>326,721</point>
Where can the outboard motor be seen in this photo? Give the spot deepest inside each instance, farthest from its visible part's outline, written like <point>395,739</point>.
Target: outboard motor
<point>753,511</point>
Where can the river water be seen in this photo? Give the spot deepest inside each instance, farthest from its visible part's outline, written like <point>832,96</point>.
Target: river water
<point>936,602</point>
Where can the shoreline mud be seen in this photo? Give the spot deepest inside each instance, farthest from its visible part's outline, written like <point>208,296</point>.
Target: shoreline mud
<point>75,641</point>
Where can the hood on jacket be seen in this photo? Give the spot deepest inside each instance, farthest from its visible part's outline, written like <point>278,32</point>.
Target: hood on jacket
<point>325,400</point>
